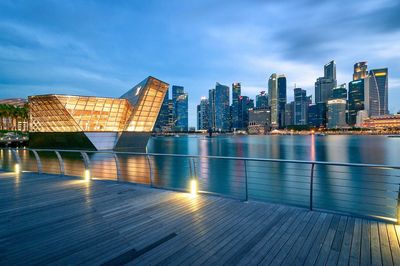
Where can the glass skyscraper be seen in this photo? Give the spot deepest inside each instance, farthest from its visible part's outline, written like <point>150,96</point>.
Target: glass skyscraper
<point>162,119</point>
<point>262,100</point>
<point>181,112</point>
<point>336,113</point>
<point>324,85</point>
<point>340,92</point>
<point>360,70</point>
<point>236,92</point>
<point>222,108</point>
<point>245,103</point>
<point>301,102</point>
<point>277,99</point>
<point>376,92</point>
<point>356,100</point>
<point>203,114</point>
<point>211,110</point>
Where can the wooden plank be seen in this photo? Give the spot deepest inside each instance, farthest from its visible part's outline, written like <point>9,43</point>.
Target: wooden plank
<point>366,243</point>
<point>355,252</point>
<point>394,244</point>
<point>337,242</point>
<point>385,246</point>
<point>376,258</point>
<point>344,256</point>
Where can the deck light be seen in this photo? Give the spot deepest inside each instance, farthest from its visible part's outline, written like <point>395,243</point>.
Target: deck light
<point>193,187</point>
<point>87,175</point>
<point>17,168</point>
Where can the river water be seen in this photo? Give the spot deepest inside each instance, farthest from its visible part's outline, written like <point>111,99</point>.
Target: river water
<point>355,190</point>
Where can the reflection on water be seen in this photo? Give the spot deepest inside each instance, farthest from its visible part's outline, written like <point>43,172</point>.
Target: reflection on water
<point>349,189</point>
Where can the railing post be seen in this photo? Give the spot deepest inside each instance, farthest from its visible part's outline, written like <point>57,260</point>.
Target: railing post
<point>117,167</point>
<point>398,206</point>
<point>246,180</point>
<point>311,186</point>
<point>150,170</point>
<point>38,161</point>
<point>60,160</point>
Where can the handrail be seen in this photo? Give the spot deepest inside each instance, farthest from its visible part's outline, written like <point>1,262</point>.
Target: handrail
<point>228,158</point>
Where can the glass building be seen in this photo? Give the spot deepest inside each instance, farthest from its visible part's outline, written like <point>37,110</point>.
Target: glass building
<point>336,113</point>
<point>181,111</point>
<point>236,91</point>
<point>277,99</point>
<point>262,100</point>
<point>203,114</point>
<point>324,85</point>
<point>222,108</point>
<point>340,92</point>
<point>301,102</point>
<point>98,123</point>
<point>356,100</point>
<point>162,119</point>
<point>360,70</point>
<point>317,115</point>
<point>245,104</point>
<point>376,92</point>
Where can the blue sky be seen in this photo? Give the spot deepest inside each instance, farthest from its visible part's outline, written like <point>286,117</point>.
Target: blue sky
<point>105,47</point>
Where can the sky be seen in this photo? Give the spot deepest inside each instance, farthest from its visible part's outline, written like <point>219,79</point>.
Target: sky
<point>104,48</point>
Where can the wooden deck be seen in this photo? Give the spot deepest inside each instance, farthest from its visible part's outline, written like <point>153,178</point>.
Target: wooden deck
<point>65,221</point>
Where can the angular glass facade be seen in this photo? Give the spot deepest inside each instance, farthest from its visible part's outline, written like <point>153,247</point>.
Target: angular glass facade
<point>135,111</point>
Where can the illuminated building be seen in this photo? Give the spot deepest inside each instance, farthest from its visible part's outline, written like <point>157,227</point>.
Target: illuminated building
<point>340,92</point>
<point>245,104</point>
<point>376,92</point>
<point>317,115</point>
<point>236,91</point>
<point>262,100</point>
<point>97,123</point>
<point>356,100</point>
<point>336,113</point>
<point>360,70</point>
<point>222,108</point>
<point>382,122</point>
<point>301,103</point>
<point>203,114</point>
<point>259,121</point>
<point>277,99</point>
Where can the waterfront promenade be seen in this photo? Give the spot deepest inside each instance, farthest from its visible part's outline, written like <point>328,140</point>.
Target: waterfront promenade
<point>65,220</point>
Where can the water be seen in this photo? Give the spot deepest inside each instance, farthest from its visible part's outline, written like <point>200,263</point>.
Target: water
<point>353,190</point>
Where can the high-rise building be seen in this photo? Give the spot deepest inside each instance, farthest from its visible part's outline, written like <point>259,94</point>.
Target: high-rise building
<point>340,92</point>
<point>222,108</point>
<point>360,70</point>
<point>262,100</point>
<point>324,85</point>
<point>180,103</point>
<point>336,113</point>
<point>259,120</point>
<point>356,100</point>
<point>317,115</point>
<point>289,114</point>
<point>376,92</point>
<point>181,112</point>
<point>245,104</point>
<point>203,114</point>
<point>277,99</point>
<point>301,102</point>
<point>162,119</point>
<point>211,109</point>
<point>236,91</point>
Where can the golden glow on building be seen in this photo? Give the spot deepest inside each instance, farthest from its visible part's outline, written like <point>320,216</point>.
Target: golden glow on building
<point>382,122</point>
<point>135,111</point>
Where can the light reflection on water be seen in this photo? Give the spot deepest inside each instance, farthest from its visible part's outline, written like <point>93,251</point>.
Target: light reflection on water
<point>356,190</point>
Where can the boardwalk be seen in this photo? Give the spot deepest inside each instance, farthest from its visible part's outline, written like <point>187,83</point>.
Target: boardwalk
<point>65,221</point>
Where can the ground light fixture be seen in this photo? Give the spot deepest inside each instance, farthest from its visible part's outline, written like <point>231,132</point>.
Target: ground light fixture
<point>17,168</point>
<point>193,187</point>
<point>87,175</point>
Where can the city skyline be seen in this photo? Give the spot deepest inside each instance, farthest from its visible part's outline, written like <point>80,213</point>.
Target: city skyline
<point>192,45</point>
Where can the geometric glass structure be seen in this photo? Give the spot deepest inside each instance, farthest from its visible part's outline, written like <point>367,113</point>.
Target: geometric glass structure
<point>103,121</point>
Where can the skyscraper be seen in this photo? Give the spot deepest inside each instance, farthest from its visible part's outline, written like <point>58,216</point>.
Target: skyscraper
<point>277,99</point>
<point>236,91</point>
<point>324,85</point>
<point>211,109</point>
<point>301,102</point>
<point>262,100</point>
<point>356,100</point>
<point>176,91</point>
<point>181,112</point>
<point>376,92</point>
<point>245,104</point>
<point>336,113</point>
<point>222,109</point>
<point>317,115</point>
<point>289,114</point>
<point>340,92</point>
<point>203,114</point>
<point>360,70</point>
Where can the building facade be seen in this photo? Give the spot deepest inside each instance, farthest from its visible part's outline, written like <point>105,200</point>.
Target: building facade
<point>203,114</point>
<point>181,112</point>
<point>277,99</point>
<point>340,92</point>
<point>317,115</point>
<point>245,104</point>
<point>222,108</point>
<point>324,85</point>
<point>356,100</point>
<point>262,100</point>
<point>289,114</point>
<point>301,102</point>
<point>236,92</point>
<point>163,116</point>
<point>376,92</point>
<point>97,123</point>
<point>259,121</point>
<point>336,114</point>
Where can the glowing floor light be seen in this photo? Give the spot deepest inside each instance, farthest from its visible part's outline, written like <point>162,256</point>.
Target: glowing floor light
<point>193,187</point>
<point>87,175</point>
<point>17,168</point>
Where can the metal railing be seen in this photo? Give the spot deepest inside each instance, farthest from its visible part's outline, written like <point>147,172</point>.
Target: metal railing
<point>367,190</point>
